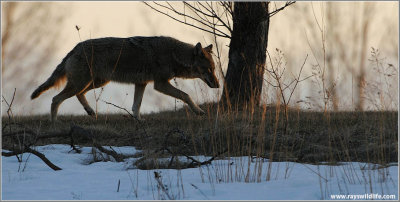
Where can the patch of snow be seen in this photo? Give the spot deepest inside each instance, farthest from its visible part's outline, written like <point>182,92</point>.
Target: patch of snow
<point>222,180</point>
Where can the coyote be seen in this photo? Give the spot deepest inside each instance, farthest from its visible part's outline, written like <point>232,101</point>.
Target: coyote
<point>94,63</point>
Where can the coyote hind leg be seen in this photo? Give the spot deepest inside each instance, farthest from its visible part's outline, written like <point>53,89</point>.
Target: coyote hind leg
<point>139,91</point>
<point>166,88</point>
<point>69,91</point>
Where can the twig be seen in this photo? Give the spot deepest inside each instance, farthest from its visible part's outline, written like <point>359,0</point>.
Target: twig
<point>9,111</point>
<point>138,120</point>
<point>171,8</point>
<point>157,176</point>
<point>90,65</point>
<point>109,103</point>
<point>297,79</point>
<point>277,77</point>
<point>166,14</point>
<point>199,191</point>
<point>101,91</point>
<point>288,3</point>
<point>326,180</point>
<point>119,183</point>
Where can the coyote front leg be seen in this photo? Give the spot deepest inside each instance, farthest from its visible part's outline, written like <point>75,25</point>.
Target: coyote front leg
<point>166,88</point>
<point>82,99</point>
<point>139,90</point>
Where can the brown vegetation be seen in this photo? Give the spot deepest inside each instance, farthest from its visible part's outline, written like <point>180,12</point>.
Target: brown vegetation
<point>312,137</point>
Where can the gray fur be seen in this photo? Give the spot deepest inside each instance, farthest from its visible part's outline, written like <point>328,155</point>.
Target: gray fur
<point>137,60</point>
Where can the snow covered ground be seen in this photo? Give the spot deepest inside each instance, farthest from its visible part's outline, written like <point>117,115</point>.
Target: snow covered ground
<point>223,180</point>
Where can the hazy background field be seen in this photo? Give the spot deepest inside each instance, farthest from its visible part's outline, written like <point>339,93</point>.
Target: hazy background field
<point>37,35</point>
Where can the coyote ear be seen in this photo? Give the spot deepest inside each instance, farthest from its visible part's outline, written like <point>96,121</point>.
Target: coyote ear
<point>209,48</point>
<point>197,49</point>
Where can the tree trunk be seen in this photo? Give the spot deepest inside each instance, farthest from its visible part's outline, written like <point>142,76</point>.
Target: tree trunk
<point>247,54</point>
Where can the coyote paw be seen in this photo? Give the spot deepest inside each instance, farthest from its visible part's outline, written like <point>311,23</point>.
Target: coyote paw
<point>90,112</point>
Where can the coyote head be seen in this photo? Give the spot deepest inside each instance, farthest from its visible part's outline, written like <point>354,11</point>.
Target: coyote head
<point>204,64</point>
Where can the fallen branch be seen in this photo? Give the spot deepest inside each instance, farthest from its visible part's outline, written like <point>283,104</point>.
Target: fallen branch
<point>195,163</point>
<point>44,159</point>
<point>36,153</point>
<point>74,130</point>
<point>115,155</point>
<point>36,137</point>
<point>89,135</point>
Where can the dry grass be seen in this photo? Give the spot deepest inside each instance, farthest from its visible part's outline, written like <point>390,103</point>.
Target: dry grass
<point>310,137</point>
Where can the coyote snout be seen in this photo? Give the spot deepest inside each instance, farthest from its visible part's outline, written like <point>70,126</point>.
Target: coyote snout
<point>205,66</point>
<point>137,60</point>
<point>211,81</point>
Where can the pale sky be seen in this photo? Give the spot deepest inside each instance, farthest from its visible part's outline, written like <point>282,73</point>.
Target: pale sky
<point>125,19</point>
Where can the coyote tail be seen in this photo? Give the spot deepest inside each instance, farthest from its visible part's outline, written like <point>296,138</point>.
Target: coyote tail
<point>58,77</point>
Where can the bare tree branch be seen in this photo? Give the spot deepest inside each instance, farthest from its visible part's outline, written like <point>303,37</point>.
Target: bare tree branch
<point>36,153</point>
<point>288,3</point>
<point>171,8</point>
<point>220,20</point>
<point>202,20</point>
